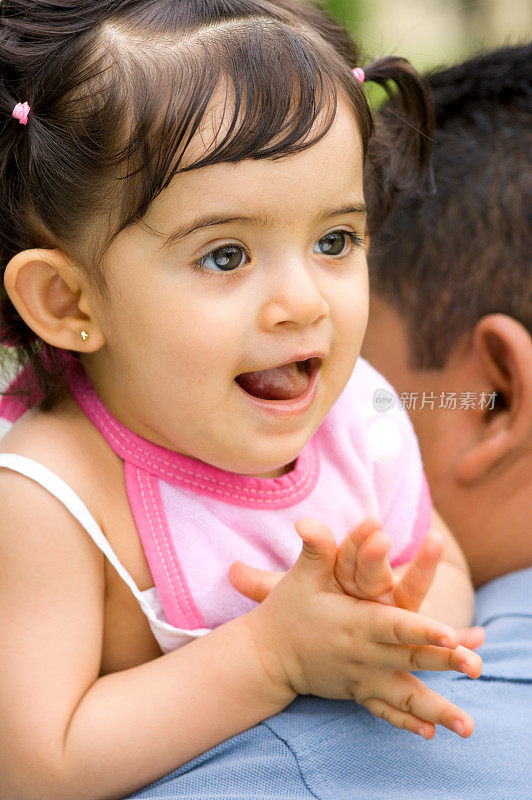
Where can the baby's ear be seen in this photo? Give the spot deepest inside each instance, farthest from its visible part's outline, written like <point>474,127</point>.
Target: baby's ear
<point>503,356</point>
<point>54,299</point>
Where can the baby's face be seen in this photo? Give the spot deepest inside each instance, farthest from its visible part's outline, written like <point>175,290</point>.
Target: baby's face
<point>294,283</point>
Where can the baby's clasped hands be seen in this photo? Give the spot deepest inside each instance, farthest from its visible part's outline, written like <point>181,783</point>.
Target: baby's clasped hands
<point>318,634</point>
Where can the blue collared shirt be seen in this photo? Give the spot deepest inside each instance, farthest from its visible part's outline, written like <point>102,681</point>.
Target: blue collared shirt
<point>335,750</point>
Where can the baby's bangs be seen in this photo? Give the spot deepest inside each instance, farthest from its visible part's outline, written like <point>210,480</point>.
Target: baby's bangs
<point>267,85</point>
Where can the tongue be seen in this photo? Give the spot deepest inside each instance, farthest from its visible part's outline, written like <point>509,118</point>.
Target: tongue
<point>279,383</point>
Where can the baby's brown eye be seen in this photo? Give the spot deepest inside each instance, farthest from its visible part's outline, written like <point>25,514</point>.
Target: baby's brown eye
<point>223,258</point>
<point>333,244</point>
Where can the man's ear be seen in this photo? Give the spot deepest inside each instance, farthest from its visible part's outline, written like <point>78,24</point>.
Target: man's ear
<point>502,349</point>
<point>54,299</point>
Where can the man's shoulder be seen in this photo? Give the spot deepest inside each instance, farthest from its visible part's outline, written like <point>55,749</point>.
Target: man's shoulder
<point>505,596</point>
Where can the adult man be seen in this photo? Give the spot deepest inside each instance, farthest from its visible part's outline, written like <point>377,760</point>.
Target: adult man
<point>451,319</point>
<point>451,308</point>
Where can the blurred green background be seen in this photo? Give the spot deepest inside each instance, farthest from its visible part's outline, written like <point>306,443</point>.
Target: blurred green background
<point>433,32</point>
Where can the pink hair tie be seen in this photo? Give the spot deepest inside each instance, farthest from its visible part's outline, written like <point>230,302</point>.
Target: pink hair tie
<point>21,112</point>
<point>359,74</point>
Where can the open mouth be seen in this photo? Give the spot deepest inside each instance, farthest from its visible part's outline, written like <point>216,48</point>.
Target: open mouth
<point>279,383</point>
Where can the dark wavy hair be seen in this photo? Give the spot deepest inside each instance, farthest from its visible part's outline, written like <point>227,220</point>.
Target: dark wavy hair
<point>449,251</point>
<point>117,90</point>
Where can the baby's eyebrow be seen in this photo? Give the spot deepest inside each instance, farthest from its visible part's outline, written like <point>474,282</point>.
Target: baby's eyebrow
<point>259,221</point>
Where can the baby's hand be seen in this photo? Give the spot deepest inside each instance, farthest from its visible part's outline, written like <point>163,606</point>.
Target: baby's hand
<point>362,568</point>
<point>315,639</point>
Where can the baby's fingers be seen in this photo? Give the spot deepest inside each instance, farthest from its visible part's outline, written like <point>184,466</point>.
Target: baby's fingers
<point>374,576</point>
<point>434,659</point>
<point>471,637</point>
<point>391,625</point>
<point>362,569</point>
<point>359,534</point>
<point>399,719</point>
<point>410,590</point>
<point>252,582</point>
<point>408,694</point>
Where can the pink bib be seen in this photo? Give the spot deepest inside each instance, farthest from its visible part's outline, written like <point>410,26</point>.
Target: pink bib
<point>195,520</point>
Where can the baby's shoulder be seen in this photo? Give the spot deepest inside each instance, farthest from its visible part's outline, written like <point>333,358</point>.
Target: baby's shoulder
<point>63,440</point>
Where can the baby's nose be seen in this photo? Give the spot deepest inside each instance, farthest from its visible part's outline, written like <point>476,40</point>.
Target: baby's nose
<point>294,296</point>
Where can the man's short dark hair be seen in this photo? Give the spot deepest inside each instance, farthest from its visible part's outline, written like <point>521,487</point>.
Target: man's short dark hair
<point>447,253</point>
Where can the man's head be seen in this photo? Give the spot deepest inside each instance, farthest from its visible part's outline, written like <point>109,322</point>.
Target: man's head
<point>451,307</point>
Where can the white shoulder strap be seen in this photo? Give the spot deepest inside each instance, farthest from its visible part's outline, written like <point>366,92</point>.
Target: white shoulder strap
<point>62,491</point>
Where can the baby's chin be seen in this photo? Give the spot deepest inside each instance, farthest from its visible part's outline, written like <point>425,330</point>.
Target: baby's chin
<point>276,473</point>
<point>256,468</point>
<point>270,457</point>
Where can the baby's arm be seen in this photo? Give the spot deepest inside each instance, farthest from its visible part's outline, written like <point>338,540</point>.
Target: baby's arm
<point>67,733</point>
<point>100,738</point>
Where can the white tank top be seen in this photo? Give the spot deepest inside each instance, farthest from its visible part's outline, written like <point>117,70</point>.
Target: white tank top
<point>168,637</point>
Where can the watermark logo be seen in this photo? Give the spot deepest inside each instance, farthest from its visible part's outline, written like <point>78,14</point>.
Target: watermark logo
<point>383,400</point>
<point>450,401</point>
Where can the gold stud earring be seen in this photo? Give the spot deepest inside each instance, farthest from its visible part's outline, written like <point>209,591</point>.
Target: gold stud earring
<point>84,335</point>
